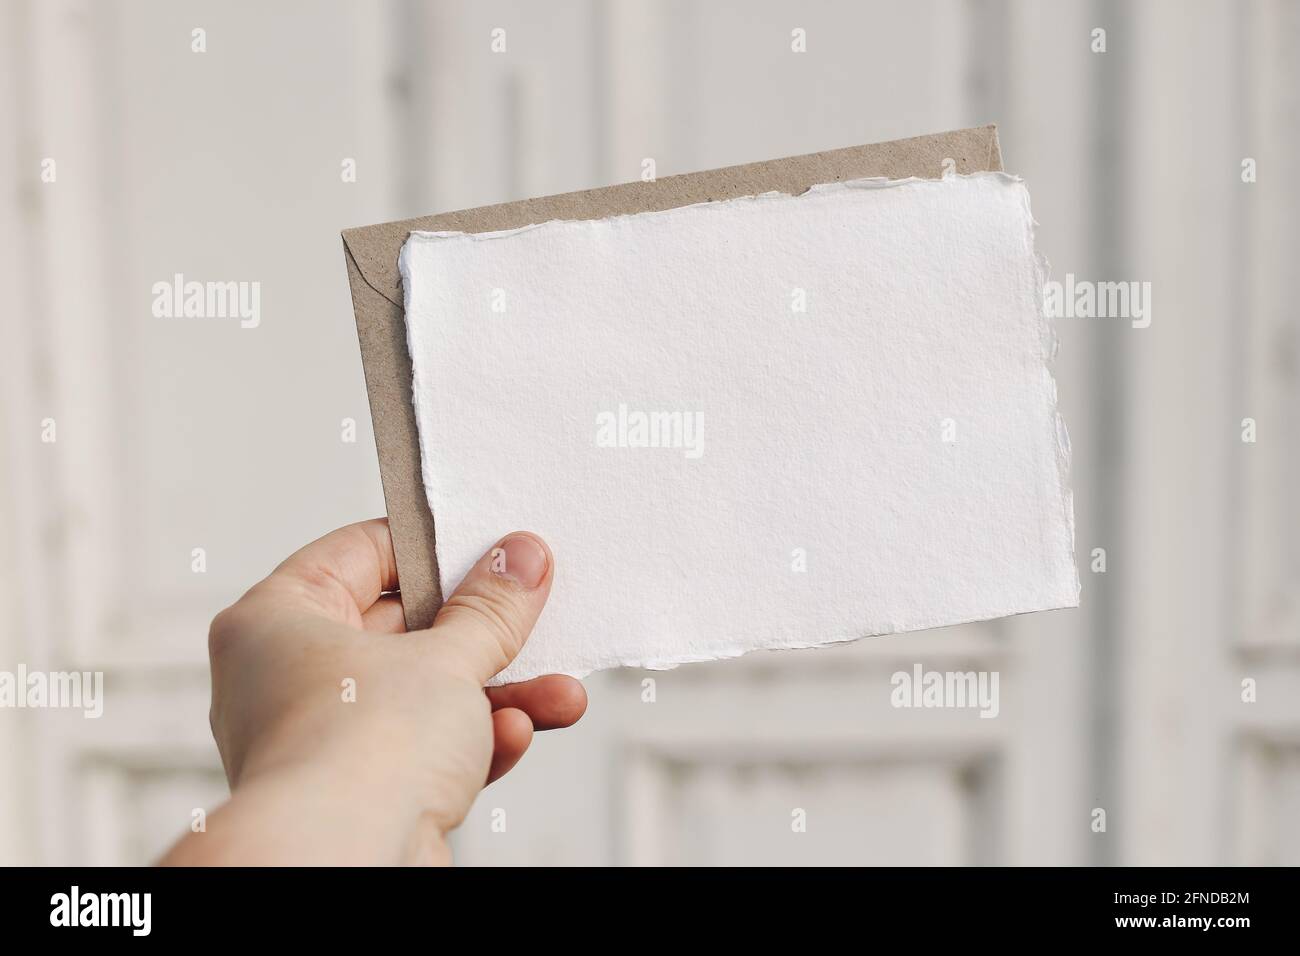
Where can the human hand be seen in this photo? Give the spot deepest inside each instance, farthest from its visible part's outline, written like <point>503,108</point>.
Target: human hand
<point>347,739</point>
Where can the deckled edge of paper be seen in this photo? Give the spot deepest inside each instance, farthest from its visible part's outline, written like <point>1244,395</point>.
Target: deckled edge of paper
<point>872,182</point>
<point>731,653</point>
<point>425,472</point>
<point>1050,345</point>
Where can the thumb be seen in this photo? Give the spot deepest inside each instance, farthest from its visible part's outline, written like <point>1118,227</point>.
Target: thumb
<point>482,626</point>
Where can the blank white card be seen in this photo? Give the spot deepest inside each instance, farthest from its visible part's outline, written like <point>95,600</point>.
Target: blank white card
<point>770,422</point>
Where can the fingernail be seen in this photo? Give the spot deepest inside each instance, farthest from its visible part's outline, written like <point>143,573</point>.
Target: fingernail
<point>520,558</point>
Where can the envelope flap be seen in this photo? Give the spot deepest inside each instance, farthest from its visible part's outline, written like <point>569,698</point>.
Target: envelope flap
<point>374,249</point>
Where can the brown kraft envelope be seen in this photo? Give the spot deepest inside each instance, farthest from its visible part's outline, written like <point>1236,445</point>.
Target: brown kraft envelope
<point>371,253</point>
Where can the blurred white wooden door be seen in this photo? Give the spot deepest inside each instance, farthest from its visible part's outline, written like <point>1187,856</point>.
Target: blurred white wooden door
<point>170,486</point>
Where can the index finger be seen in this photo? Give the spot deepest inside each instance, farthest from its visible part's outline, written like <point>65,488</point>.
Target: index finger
<point>342,573</point>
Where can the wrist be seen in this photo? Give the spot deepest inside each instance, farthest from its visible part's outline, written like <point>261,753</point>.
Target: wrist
<point>353,800</point>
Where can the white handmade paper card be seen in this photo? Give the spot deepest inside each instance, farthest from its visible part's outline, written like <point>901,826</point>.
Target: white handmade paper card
<point>770,422</point>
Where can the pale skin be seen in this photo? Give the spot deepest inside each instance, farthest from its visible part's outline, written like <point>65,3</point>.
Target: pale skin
<point>383,778</point>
